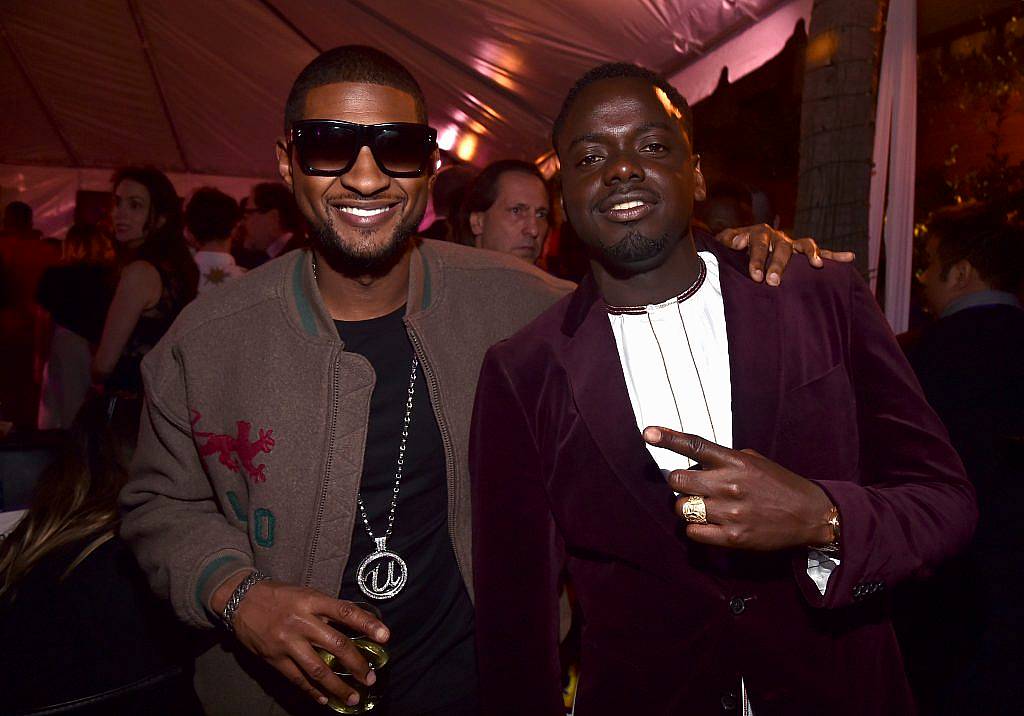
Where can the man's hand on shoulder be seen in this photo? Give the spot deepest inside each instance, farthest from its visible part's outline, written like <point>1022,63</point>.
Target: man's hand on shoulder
<point>751,502</point>
<point>283,624</point>
<point>776,248</point>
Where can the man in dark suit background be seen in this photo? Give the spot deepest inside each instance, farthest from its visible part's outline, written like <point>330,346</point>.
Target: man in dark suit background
<point>970,362</point>
<point>771,595</point>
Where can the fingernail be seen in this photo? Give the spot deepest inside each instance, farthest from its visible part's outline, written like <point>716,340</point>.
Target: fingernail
<point>352,699</point>
<point>773,279</point>
<point>371,678</point>
<point>758,274</point>
<point>652,435</point>
<point>382,635</point>
<point>322,700</point>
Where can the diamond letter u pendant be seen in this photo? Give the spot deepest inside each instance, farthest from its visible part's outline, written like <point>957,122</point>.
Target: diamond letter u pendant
<point>382,574</point>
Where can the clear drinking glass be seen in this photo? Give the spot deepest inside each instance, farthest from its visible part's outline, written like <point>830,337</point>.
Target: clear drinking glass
<point>370,697</point>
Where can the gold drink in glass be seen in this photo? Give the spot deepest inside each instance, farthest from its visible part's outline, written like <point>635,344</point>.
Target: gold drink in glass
<point>375,654</point>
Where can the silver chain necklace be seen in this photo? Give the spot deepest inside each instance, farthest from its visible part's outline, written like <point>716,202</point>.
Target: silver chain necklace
<point>383,561</point>
<point>382,574</point>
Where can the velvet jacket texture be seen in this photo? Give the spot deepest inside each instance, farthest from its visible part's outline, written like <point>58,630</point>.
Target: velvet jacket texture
<point>563,487</point>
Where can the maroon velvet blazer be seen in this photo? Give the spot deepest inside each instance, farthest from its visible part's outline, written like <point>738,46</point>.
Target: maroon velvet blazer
<point>563,487</point>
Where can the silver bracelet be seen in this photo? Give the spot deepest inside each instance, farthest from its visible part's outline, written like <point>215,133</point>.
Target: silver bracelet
<point>227,617</point>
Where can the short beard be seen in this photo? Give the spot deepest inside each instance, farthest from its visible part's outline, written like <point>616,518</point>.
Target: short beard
<point>347,262</point>
<point>632,254</point>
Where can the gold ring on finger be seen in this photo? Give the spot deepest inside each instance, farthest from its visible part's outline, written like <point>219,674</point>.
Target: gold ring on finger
<point>695,512</point>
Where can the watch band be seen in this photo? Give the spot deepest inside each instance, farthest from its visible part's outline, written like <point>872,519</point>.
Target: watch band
<point>833,521</point>
<point>227,617</point>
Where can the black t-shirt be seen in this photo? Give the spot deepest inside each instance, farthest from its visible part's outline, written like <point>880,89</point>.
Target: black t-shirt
<point>433,662</point>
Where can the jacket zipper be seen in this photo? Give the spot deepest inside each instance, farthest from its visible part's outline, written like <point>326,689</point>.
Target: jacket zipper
<point>449,452</point>
<point>308,577</point>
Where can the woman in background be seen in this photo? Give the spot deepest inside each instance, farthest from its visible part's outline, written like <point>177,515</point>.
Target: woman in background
<point>74,298</point>
<point>81,629</point>
<point>159,277</point>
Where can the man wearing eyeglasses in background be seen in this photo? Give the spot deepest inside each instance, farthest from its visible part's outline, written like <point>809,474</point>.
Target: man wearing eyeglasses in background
<point>306,434</point>
<point>273,225</point>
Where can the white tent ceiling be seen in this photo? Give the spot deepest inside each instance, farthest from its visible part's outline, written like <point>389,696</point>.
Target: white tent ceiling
<point>198,86</point>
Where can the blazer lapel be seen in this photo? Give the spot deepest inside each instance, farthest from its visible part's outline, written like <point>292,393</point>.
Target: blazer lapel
<point>599,389</point>
<point>753,328</point>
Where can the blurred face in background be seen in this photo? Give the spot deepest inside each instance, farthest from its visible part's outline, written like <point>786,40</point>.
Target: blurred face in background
<point>262,226</point>
<point>130,215</point>
<point>938,290</point>
<point>517,222</point>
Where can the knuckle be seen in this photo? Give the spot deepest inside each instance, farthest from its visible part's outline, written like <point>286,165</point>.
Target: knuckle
<point>696,445</point>
<point>733,536</point>
<point>339,643</point>
<point>318,670</point>
<point>346,610</point>
<point>734,490</point>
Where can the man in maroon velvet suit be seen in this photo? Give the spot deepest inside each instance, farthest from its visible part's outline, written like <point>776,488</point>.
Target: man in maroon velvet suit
<point>771,595</point>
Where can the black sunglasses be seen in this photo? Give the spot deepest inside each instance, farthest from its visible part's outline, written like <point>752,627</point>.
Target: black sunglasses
<point>329,148</point>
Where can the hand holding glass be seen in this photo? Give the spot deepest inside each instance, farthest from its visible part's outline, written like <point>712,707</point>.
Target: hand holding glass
<point>376,656</point>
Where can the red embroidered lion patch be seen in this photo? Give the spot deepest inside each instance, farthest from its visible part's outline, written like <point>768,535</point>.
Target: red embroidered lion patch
<point>235,452</point>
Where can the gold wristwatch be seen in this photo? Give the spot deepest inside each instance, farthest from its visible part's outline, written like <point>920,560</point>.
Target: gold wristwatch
<point>833,521</point>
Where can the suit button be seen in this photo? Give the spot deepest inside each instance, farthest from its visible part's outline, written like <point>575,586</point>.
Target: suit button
<point>737,605</point>
<point>729,702</point>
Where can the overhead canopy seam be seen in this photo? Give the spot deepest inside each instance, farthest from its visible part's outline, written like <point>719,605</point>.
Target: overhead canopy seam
<point>148,54</point>
<point>47,111</point>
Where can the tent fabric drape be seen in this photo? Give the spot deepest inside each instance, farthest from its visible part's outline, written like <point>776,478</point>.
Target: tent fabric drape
<point>744,53</point>
<point>199,87</point>
<point>891,215</point>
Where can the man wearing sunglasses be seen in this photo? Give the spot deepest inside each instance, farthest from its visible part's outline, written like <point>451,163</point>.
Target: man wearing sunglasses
<point>306,436</point>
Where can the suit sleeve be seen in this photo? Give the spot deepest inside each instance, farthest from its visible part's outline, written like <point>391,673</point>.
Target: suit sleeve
<point>914,507</point>
<point>171,519</point>
<point>517,556</point>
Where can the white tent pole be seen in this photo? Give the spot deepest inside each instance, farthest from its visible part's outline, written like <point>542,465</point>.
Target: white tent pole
<point>880,170</point>
<point>899,230</point>
<point>895,153</point>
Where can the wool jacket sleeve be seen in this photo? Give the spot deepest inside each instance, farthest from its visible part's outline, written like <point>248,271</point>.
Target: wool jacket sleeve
<point>171,517</point>
<point>914,506</point>
<point>518,555</point>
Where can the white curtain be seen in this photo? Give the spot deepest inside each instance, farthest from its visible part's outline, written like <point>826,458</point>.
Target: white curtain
<point>892,183</point>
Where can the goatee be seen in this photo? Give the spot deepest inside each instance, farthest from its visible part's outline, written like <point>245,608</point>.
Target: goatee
<point>634,253</point>
<point>356,264</point>
<point>635,247</point>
